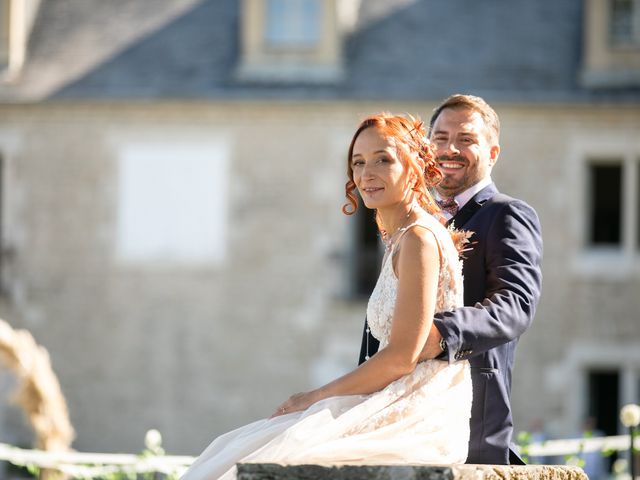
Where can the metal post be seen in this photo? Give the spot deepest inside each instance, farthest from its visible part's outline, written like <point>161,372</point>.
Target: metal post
<point>632,452</point>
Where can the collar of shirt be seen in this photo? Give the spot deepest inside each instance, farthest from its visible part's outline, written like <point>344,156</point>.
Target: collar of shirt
<point>463,197</point>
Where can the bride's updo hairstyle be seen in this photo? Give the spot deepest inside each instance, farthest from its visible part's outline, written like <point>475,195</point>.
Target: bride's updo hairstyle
<point>413,149</point>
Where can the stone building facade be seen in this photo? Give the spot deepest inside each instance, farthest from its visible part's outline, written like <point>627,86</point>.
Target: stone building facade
<point>171,195</point>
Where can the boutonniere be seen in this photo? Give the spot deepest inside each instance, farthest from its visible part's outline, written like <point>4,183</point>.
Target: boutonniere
<point>461,239</point>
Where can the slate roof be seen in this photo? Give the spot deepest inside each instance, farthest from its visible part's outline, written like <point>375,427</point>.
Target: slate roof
<point>512,50</point>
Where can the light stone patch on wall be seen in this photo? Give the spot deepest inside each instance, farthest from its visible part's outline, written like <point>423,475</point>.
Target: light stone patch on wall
<point>172,204</point>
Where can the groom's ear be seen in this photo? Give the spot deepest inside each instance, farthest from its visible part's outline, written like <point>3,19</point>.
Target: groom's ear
<point>494,153</point>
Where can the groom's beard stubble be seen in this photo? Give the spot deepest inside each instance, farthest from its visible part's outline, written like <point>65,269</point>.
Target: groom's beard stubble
<point>450,186</point>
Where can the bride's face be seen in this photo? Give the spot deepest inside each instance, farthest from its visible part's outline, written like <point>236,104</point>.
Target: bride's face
<point>380,175</point>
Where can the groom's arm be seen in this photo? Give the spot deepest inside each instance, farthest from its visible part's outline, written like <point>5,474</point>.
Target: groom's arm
<point>513,255</point>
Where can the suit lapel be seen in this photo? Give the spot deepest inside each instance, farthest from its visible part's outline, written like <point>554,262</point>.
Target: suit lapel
<point>472,206</point>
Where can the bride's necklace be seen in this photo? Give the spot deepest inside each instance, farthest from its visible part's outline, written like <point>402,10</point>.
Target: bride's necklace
<point>387,239</point>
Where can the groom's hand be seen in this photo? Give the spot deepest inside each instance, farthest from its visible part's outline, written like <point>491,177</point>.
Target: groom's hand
<point>432,346</point>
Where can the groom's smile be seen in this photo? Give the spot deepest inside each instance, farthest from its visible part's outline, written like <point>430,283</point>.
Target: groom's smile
<point>454,168</point>
<point>447,163</point>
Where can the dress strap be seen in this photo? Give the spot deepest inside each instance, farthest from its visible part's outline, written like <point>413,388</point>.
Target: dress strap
<point>400,233</point>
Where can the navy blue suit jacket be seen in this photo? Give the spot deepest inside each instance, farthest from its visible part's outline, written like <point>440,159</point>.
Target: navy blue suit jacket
<point>502,283</point>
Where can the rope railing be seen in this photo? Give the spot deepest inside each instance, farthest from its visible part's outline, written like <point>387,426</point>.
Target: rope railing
<point>88,465</point>
<point>579,445</point>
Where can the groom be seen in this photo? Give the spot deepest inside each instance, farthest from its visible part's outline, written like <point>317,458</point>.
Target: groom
<point>502,277</point>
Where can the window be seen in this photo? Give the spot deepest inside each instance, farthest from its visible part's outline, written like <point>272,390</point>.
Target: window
<point>613,205</point>
<point>292,23</point>
<point>603,407</point>
<point>609,388</point>
<point>606,211</point>
<point>604,400</point>
<point>624,22</point>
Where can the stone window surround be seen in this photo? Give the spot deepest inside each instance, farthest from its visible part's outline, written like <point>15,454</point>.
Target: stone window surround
<point>261,62</point>
<point>605,65</point>
<point>618,263</point>
<point>569,377</point>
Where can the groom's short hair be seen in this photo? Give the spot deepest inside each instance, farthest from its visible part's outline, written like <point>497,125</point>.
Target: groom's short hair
<point>476,104</point>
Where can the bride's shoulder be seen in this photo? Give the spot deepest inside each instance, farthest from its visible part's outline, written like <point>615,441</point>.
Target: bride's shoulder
<point>418,238</point>
<point>418,252</point>
<point>429,231</point>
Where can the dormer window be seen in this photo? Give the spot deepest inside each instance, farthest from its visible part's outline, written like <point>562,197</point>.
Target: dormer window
<point>611,44</point>
<point>293,24</point>
<point>290,41</point>
<point>624,23</point>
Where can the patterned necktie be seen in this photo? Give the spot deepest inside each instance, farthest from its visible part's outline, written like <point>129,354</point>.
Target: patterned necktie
<point>448,205</point>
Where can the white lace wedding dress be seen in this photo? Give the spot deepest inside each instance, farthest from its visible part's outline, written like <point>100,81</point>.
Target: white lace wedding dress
<point>421,418</point>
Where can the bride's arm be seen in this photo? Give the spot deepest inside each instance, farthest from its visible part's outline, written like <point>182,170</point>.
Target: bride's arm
<point>418,266</point>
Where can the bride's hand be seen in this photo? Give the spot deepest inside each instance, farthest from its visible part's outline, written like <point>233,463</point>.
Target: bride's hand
<point>296,403</point>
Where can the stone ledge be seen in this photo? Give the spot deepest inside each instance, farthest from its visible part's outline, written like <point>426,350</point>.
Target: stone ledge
<point>272,471</point>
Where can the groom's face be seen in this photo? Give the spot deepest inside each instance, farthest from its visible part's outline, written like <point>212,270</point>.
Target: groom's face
<point>465,150</point>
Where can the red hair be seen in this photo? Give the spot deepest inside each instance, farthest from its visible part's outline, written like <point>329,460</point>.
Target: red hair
<point>414,150</point>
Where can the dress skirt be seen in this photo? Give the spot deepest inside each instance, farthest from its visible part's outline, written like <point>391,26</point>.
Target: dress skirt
<point>421,418</point>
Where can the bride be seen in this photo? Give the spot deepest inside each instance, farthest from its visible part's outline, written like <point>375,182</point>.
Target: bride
<point>397,407</point>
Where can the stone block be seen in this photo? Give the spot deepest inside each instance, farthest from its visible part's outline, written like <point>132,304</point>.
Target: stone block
<point>272,471</point>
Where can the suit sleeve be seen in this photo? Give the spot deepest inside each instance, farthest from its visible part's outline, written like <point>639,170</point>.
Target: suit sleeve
<point>513,256</point>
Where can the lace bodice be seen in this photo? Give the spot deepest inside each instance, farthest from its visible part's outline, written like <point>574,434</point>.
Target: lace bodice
<point>383,298</point>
